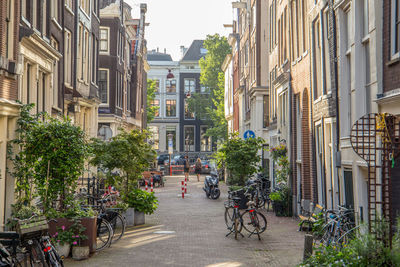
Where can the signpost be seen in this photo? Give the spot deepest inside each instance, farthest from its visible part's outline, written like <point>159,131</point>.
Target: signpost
<point>170,151</point>
<point>249,134</point>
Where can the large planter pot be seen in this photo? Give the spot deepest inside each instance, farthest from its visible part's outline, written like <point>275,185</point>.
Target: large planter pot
<point>139,217</point>
<point>88,223</point>
<point>130,217</point>
<point>63,250</point>
<point>80,252</point>
<point>279,208</point>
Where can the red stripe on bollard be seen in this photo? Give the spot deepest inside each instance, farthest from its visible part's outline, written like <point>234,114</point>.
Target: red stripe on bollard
<point>151,185</point>
<point>183,191</point>
<point>185,186</point>
<point>146,184</point>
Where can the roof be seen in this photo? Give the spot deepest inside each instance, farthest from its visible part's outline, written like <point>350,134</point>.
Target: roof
<point>157,56</point>
<point>195,52</point>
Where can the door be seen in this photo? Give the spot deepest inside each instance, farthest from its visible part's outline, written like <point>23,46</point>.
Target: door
<point>348,189</point>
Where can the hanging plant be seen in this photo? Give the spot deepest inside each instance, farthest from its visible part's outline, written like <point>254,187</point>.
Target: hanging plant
<point>278,151</point>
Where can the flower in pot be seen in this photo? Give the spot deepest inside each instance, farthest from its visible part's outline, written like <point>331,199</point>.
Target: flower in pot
<point>62,241</point>
<point>143,202</point>
<point>79,251</point>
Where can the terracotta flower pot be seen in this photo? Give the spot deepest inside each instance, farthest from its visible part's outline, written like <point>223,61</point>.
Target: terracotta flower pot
<point>80,253</point>
<point>63,250</point>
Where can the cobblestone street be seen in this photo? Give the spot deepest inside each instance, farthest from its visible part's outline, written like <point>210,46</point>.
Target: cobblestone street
<point>197,236</point>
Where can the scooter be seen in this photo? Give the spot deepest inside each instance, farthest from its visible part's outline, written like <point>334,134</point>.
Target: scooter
<point>211,186</point>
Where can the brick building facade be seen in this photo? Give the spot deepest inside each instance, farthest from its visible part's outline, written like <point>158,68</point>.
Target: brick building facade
<point>9,109</point>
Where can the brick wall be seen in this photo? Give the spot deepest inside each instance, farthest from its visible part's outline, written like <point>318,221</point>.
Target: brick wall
<point>391,77</point>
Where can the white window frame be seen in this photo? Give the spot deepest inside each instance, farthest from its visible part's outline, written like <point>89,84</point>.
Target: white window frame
<point>184,86</point>
<point>108,87</point>
<point>104,52</point>
<point>194,138</point>
<point>393,54</point>
<point>184,110</point>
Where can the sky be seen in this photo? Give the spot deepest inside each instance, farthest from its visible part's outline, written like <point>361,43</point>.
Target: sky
<point>178,22</point>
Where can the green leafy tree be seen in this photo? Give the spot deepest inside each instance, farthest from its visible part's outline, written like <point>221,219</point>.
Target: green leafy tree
<point>49,161</point>
<point>240,157</point>
<point>210,106</point>
<point>128,153</point>
<point>151,94</point>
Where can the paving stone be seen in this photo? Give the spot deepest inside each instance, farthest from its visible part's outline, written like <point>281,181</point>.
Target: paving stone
<point>198,237</point>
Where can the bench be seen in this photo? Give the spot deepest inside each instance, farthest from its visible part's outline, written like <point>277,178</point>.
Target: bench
<point>310,217</point>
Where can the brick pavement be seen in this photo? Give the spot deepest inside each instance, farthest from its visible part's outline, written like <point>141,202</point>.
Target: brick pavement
<point>199,236</point>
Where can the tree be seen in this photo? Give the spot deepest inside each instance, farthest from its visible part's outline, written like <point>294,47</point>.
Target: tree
<point>151,94</point>
<point>240,157</point>
<point>50,159</point>
<point>128,153</point>
<point>211,106</point>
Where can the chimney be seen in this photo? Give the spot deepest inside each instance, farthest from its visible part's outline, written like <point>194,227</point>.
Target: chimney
<point>165,50</point>
<point>157,50</point>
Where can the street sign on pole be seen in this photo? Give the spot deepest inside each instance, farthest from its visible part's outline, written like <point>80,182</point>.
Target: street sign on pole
<point>170,147</point>
<point>249,134</point>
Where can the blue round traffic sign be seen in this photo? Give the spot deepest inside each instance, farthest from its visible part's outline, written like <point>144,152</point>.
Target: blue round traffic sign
<point>249,134</point>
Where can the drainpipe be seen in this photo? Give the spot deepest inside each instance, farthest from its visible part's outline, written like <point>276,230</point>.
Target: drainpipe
<point>334,83</point>
<point>289,139</point>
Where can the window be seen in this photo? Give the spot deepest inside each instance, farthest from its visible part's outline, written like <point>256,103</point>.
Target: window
<point>41,92</point>
<point>170,108</point>
<point>205,141</point>
<point>156,103</point>
<point>320,161</point>
<point>367,77</point>
<point>10,29</point>
<point>171,86</point>
<point>189,138</point>
<point>26,9</point>
<point>189,115</point>
<point>283,105</point>
<point>68,3</point>
<point>54,43</point>
<point>95,6</point>
<point>120,89</point>
<point>155,136</point>
<point>395,31</point>
<point>348,28</point>
<point>103,85</point>
<point>170,130</point>
<point>87,58</point>
<point>190,85</point>
<point>365,17</point>
<point>203,89</point>
<point>326,60</point>
<point>265,111</point>
<point>104,37</point>
<point>253,16</point>
<point>94,59</point>
<point>67,57</point>
<point>246,52</point>
<point>54,10</point>
<point>317,59</point>
<point>85,6</point>
<point>304,23</point>
<point>157,86</point>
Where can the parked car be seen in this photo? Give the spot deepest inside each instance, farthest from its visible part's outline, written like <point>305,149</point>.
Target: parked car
<point>176,160</point>
<point>161,159</point>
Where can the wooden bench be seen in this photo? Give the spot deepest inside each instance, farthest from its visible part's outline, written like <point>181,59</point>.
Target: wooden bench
<point>310,217</point>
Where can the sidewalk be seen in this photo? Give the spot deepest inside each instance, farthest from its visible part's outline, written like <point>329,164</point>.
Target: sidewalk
<point>194,235</point>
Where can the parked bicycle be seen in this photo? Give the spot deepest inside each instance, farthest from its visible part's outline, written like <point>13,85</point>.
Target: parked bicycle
<point>251,219</point>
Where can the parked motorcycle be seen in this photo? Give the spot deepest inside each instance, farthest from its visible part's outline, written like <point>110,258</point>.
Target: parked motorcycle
<point>211,186</point>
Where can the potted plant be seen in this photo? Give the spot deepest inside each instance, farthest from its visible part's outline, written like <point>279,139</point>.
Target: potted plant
<point>62,240</point>
<point>143,203</point>
<point>79,250</point>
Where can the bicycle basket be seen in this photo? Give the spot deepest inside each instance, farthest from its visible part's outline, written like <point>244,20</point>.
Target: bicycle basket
<point>29,226</point>
<point>243,199</point>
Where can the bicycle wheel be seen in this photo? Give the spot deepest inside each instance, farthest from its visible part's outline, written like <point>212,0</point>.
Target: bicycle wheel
<point>327,235</point>
<point>229,217</point>
<point>36,255</point>
<point>118,225</point>
<point>104,235</point>
<point>254,220</point>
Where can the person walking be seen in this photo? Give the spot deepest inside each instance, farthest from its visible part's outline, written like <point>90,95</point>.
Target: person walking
<point>186,168</point>
<point>197,169</point>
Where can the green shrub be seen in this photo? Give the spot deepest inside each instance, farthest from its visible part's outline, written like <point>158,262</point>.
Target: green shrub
<point>141,200</point>
<point>276,196</point>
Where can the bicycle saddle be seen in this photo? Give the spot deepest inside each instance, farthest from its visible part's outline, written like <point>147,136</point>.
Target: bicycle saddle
<point>236,198</point>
